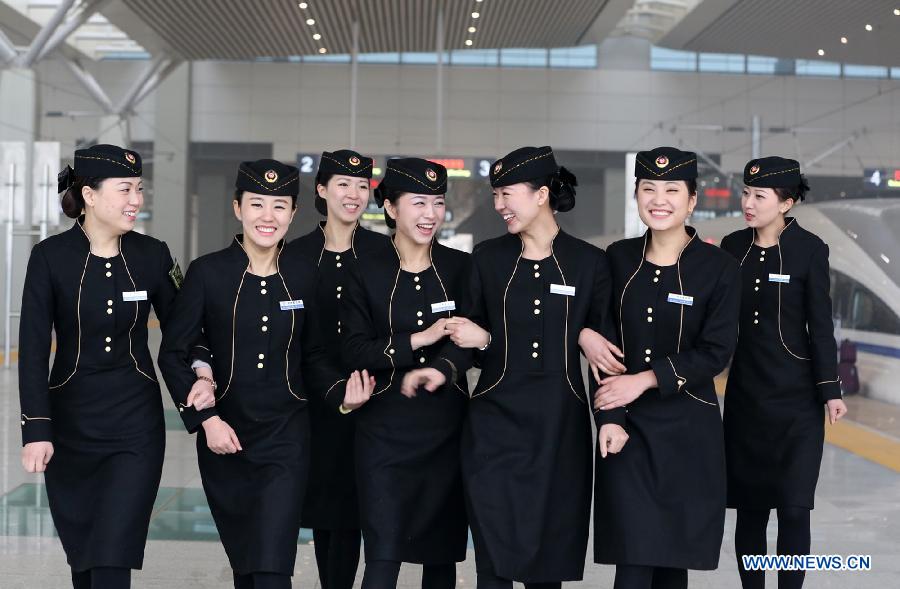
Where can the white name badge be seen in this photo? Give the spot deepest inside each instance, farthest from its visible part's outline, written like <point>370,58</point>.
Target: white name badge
<point>562,289</point>
<point>784,278</point>
<point>291,305</point>
<point>443,306</point>
<point>134,295</point>
<point>680,299</point>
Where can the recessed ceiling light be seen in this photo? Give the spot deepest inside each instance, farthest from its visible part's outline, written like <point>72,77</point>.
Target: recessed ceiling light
<point>897,12</point>
<point>868,27</point>
<point>468,42</point>
<point>844,40</point>
<point>472,29</point>
<point>322,50</point>
<point>821,52</point>
<point>310,21</point>
<point>317,36</point>
<point>303,5</point>
<point>475,15</point>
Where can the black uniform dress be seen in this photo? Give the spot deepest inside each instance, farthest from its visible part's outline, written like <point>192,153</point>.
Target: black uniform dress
<point>660,502</point>
<point>101,406</point>
<point>331,498</point>
<point>264,352</point>
<point>527,442</point>
<point>407,450</point>
<point>784,369</point>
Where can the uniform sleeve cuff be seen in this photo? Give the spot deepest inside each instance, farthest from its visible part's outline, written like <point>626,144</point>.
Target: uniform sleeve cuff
<point>829,390</point>
<point>400,350</point>
<point>334,396</point>
<point>448,369</point>
<point>36,430</point>
<point>616,416</point>
<point>668,380</point>
<point>193,419</point>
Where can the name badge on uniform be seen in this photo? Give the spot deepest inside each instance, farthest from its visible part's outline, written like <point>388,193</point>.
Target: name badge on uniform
<point>680,299</point>
<point>291,305</point>
<point>134,295</point>
<point>443,306</point>
<point>562,289</point>
<point>783,278</point>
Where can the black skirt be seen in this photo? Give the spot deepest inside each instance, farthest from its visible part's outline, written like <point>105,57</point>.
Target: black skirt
<point>255,495</point>
<point>109,441</point>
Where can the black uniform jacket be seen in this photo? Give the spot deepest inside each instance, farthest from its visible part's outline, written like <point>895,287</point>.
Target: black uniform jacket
<point>205,308</point>
<point>579,264</point>
<point>369,339</point>
<point>54,298</point>
<point>799,271</point>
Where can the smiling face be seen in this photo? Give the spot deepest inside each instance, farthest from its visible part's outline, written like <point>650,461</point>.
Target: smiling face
<point>418,216</point>
<point>265,219</point>
<point>519,205</point>
<point>115,203</point>
<point>664,204</point>
<point>346,197</point>
<point>762,207</point>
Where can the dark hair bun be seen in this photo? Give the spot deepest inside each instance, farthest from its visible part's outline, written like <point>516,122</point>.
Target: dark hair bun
<point>562,190</point>
<point>71,204</point>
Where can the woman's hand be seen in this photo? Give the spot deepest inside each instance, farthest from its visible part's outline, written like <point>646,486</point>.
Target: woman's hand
<point>430,378</point>
<point>612,438</point>
<point>430,336</point>
<point>465,333</point>
<point>36,456</point>
<point>600,353</point>
<point>359,390</point>
<point>202,396</point>
<point>836,410</point>
<point>220,437</point>
<point>618,391</point>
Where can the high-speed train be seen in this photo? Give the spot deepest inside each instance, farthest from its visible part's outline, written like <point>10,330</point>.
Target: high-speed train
<point>864,240</point>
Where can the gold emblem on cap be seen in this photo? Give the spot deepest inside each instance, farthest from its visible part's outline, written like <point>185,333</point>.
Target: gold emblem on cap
<point>497,167</point>
<point>354,161</point>
<point>271,176</point>
<point>431,174</point>
<point>662,161</point>
<point>754,169</point>
<point>130,157</point>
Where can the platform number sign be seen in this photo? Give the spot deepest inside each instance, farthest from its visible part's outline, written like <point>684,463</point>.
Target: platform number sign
<point>307,163</point>
<point>484,168</point>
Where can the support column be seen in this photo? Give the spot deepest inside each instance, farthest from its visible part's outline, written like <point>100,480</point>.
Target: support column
<point>171,149</point>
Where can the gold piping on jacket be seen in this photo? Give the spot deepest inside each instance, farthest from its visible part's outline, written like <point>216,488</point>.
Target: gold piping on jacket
<point>324,237</point>
<point>26,418</point>
<point>237,296</point>
<point>566,332</point>
<point>77,311</point>
<point>446,298</point>
<point>334,385</point>
<point>505,332</point>
<point>391,321</point>
<point>780,271</point>
<point>287,350</point>
<point>137,306</point>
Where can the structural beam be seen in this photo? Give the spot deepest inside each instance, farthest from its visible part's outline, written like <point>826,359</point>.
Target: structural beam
<point>89,82</point>
<point>88,10</point>
<point>40,40</point>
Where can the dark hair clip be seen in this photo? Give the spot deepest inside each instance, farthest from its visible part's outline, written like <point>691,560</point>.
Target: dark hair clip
<point>65,179</point>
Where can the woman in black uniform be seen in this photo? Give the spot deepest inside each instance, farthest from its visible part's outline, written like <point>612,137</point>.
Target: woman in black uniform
<point>95,426</point>
<point>784,370</point>
<point>659,504</point>
<point>330,507</point>
<point>257,310</point>
<point>407,450</point>
<point>526,448</point>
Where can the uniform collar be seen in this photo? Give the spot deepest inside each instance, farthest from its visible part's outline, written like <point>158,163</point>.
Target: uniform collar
<point>688,247</point>
<point>789,229</point>
<point>321,233</point>
<point>81,238</point>
<point>240,254</point>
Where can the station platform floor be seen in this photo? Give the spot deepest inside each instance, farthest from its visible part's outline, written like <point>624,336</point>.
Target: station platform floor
<point>857,513</point>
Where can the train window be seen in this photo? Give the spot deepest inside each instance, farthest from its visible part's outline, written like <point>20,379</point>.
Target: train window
<point>859,308</point>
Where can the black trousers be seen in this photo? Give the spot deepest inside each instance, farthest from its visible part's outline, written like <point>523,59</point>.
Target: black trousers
<point>262,581</point>
<point>646,577</point>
